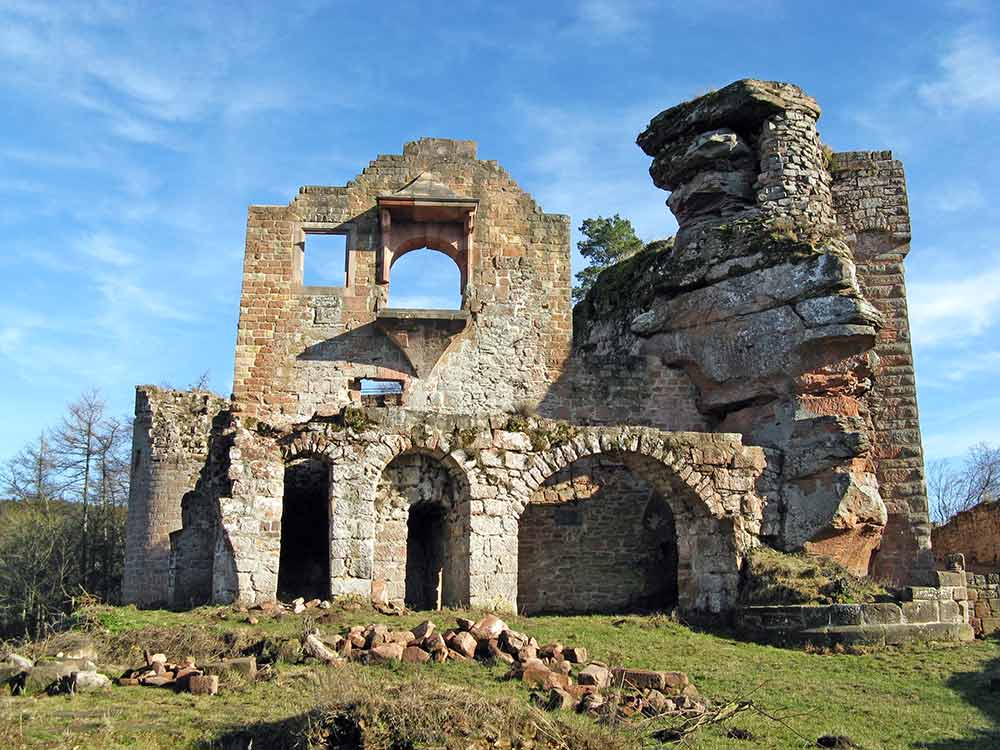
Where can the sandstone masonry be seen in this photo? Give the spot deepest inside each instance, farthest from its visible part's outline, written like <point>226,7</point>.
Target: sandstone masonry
<point>750,382</point>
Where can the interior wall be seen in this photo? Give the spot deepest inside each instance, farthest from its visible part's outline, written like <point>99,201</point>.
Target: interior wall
<point>596,537</point>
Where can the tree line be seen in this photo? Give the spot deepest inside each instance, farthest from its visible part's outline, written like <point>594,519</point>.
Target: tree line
<point>62,526</point>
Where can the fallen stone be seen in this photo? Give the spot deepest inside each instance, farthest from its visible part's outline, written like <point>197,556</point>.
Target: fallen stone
<point>16,660</point>
<point>527,653</point>
<point>453,654</point>
<point>379,595</point>
<point>560,700</point>
<point>464,643</point>
<point>324,604</point>
<point>415,655</point>
<point>314,647</point>
<point>46,673</point>
<point>512,642</point>
<point>312,603</point>
<point>153,658</point>
<point>489,627</point>
<point>595,674</point>
<point>464,624</point>
<point>657,703</point>
<point>434,642</point>
<point>128,681</point>
<point>244,665</point>
<point>640,679</point>
<point>386,652</point>
<point>207,684</point>
<point>399,636</point>
<point>545,678</point>
<point>575,655</point>
<point>84,682</point>
<point>424,630</point>
<point>160,680</point>
<point>551,651</point>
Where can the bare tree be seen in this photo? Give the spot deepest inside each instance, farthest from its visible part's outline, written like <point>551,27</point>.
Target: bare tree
<point>32,475</point>
<point>954,488</point>
<point>76,445</point>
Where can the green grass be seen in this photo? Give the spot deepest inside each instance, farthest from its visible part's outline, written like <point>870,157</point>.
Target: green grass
<point>933,696</point>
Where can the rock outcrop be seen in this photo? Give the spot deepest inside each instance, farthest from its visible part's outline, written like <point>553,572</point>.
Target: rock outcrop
<point>758,300</point>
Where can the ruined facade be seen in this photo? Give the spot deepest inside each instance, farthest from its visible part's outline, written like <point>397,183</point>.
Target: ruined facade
<point>750,382</point>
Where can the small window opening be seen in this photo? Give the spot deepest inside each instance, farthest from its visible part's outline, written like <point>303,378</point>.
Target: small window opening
<point>373,387</point>
<point>325,261</point>
<point>425,279</point>
<point>376,392</point>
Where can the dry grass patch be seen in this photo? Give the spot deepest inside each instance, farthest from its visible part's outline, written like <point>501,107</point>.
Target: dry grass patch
<point>774,578</point>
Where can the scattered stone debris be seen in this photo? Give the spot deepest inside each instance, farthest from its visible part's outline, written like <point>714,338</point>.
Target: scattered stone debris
<point>66,672</point>
<point>187,676</point>
<point>561,677</point>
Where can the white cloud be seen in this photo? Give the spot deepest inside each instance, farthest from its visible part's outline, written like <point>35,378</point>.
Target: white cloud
<point>104,248</point>
<point>953,310</point>
<point>969,76</point>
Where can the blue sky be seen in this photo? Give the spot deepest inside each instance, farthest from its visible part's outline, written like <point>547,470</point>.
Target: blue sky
<point>134,137</point>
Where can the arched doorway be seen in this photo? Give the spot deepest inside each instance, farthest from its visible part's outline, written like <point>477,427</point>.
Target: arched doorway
<point>421,534</point>
<point>304,561</point>
<point>597,537</point>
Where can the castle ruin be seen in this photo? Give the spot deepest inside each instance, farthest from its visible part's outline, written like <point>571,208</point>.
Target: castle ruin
<point>749,383</point>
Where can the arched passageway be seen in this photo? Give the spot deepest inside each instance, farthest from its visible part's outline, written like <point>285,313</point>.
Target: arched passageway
<point>596,537</point>
<point>421,534</point>
<point>304,562</point>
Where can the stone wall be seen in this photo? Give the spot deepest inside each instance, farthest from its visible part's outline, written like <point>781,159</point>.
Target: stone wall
<point>973,533</point>
<point>983,601</point>
<point>595,537</point>
<point>300,349</point>
<point>494,467</point>
<point>924,614</point>
<point>869,191</point>
<point>170,444</point>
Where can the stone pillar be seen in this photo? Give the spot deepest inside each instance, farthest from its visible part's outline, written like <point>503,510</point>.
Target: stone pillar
<point>870,196</point>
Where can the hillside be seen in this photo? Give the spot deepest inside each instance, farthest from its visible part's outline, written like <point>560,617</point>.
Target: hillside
<point>923,696</point>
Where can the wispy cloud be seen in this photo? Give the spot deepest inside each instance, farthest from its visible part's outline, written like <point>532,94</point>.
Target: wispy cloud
<point>969,75</point>
<point>953,310</point>
<point>104,248</point>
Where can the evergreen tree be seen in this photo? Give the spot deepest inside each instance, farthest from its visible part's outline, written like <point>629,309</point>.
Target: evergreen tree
<point>607,241</point>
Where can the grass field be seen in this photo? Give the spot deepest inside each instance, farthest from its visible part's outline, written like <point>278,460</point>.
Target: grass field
<point>933,696</point>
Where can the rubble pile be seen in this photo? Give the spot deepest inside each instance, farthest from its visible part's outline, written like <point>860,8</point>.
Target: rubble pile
<point>562,677</point>
<point>187,676</point>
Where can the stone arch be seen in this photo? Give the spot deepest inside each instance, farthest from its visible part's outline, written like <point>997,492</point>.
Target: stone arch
<point>355,516</point>
<point>446,240</point>
<point>714,529</point>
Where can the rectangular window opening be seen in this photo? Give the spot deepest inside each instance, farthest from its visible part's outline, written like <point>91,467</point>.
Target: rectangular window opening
<point>325,260</point>
<point>373,387</point>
